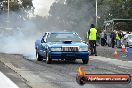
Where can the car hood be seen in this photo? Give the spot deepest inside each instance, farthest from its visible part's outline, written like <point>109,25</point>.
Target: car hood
<point>60,44</point>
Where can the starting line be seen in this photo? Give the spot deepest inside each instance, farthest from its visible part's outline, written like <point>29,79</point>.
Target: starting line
<point>5,82</point>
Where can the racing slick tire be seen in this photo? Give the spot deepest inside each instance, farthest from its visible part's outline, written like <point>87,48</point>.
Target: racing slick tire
<point>48,59</point>
<point>39,57</point>
<point>85,61</point>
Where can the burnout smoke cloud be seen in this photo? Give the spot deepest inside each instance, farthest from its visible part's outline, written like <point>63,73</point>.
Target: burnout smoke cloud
<point>42,7</point>
<point>19,32</point>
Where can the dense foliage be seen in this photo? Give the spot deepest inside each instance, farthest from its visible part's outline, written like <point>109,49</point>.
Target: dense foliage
<point>116,9</point>
<point>16,5</point>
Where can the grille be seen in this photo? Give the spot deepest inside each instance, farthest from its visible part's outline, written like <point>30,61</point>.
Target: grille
<point>73,49</point>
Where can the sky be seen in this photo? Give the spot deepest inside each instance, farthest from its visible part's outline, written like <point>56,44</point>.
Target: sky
<point>42,7</point>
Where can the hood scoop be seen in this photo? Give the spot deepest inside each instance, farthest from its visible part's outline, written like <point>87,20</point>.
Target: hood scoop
<point>67,41</point>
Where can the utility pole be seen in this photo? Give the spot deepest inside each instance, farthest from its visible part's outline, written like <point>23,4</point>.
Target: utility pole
<point>8,8</point>
<point>96,13</point>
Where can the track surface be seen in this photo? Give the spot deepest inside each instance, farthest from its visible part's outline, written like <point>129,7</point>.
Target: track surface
<point>61,74</point>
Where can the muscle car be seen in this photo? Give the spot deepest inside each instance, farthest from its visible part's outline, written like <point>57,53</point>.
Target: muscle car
<point>61,45</point>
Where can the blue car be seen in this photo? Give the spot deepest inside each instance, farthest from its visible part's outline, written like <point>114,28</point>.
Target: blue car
<point>61,45</point>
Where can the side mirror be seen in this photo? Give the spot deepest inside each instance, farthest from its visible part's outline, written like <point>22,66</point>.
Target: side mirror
<point>43,40</point>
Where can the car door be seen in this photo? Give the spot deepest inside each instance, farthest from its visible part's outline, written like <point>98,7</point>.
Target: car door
<point>42,46</point>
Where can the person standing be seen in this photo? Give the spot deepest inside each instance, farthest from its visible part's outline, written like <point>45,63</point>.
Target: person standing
<point>105,38</point>
<point>102,39</point>
<point>121,37</point>
<point>113,37</point>
<point>108,39</point>
<point>92,39</point>
<point>118,40</point>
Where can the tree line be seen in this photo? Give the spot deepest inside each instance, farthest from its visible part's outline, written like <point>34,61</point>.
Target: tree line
<point>78,14</point>
<point>15,5</point>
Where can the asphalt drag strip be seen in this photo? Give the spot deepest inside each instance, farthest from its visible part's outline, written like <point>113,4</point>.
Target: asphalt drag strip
<point>11,79</point>
<point>62,74</point>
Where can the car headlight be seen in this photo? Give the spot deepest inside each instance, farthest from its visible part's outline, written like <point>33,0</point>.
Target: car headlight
<point>83,49</point>
<point>55,49</point>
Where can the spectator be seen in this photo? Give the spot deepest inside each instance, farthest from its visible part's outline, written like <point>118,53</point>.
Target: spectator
<point>118,39</point>
<point>92,39</point>
<point>102,38</point>
<point>108,39</point>
<point>113,36</point>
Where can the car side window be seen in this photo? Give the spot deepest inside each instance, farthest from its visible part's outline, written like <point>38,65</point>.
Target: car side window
<point>44,38</point>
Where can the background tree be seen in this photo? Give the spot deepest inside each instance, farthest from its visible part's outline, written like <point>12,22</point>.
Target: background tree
<point>17,5</point>
<point>74,15</point>
<point>19,13</point>
<point>27,4</point>
<point>111,9</point>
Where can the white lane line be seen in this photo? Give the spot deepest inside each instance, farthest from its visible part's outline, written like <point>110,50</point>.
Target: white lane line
<point>5,82</point>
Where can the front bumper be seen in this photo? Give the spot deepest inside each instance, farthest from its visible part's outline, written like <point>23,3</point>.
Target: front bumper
<point>68,55</point>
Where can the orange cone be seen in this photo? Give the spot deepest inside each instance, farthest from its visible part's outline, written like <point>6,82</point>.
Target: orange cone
<point>115,53</point>
<point>123,49</point>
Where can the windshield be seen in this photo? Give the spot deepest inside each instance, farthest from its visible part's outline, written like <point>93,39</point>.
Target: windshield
<point>59,37</point>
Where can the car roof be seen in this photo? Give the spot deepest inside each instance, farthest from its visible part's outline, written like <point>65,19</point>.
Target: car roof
<point>61,32</point>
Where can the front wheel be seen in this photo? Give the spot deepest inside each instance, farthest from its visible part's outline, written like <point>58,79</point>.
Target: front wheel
<point>39,57</point>
<point>85,61</point>
<point>48,59</point>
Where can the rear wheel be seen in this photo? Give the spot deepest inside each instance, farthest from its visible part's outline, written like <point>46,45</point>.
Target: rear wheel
<point>85,61</point>
<point>48,59</point>
<point>39,57</point>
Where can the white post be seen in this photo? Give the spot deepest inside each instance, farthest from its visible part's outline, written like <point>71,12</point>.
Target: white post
<point>96,12</point>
